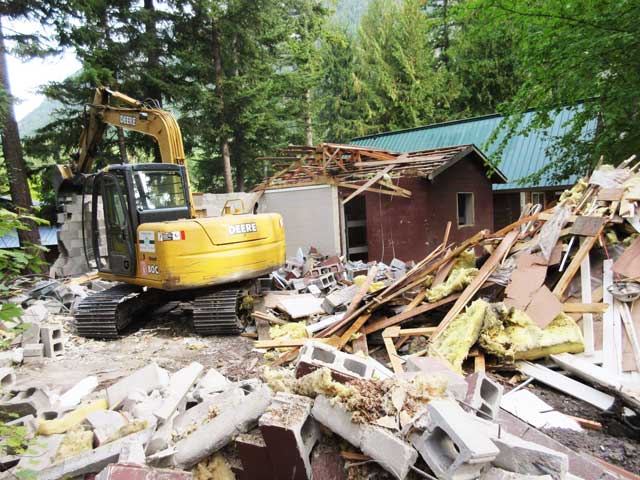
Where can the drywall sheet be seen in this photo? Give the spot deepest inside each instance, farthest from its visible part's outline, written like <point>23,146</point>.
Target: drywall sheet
<point>311,217</point>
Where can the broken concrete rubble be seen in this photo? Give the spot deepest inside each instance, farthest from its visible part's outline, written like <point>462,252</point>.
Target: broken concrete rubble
<point>144,380</point>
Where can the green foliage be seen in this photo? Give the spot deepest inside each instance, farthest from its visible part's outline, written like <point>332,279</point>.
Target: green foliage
<point>13,262</point>
<point>574,54</point>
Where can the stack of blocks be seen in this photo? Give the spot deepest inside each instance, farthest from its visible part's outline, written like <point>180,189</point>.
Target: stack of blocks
<point>72,260</point>
<point>42,341</point>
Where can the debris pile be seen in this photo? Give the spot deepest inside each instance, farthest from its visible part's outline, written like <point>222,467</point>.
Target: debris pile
<point>182,424</point>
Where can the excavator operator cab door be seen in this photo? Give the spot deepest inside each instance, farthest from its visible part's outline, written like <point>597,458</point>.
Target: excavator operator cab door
<point>111,209</point>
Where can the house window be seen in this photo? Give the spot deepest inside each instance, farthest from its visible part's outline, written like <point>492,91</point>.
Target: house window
<point>537,198</point>
<point>465,209</point>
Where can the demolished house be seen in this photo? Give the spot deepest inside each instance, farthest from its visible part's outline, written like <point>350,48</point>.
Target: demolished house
<point>366,363</point>
<point>377,204</point>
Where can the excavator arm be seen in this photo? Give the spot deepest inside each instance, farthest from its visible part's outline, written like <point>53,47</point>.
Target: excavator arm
<point>132,115</point>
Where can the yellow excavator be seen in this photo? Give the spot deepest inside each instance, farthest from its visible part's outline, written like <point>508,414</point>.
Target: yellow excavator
<point>151,240</point>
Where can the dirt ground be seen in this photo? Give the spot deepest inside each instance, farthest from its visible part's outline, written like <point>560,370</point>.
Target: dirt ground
<point>609,444</point>
<point>169,340</point>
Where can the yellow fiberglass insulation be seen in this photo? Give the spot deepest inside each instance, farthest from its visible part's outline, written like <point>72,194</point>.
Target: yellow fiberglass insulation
<point>456,340</point>
<point>317,382</point>
<point>289,330</point>
<point>510,333</point>
<point>457,280</point>
<point>74,442</point>
<point>574,194</point>
<point>215,467</point>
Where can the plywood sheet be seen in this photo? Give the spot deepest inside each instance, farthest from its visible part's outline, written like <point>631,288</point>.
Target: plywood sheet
<point>587,226</point>
<point>544,307</point>
<point>300,306</point>
<point>628,264</point>
<point>526,279</point>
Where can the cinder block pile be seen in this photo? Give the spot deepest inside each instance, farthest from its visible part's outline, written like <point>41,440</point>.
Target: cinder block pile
<point>72,259</point>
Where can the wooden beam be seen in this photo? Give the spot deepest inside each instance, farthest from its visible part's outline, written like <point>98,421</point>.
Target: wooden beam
<point>368,183</point>
<point>575,264</point>
<point>585,307</point>
<point>375,190</point>
<point>355,326</point>
<point>611,326</point>
<point>388,335</point>
<point>483,274</point>
<point>289,342</point>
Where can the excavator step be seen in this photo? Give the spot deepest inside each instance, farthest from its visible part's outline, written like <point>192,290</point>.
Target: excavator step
<point>216,312</point>
<point>105,314</point>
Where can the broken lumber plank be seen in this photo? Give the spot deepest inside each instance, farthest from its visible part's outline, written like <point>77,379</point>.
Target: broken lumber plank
<point>575,264</point>
<point>478,362</point>
<point>584,307</point>
<point>355,326</point>
<point>263,329</point>
<point>586,423</point>
<point>611,326</point>
<point>632,335</point>
<point>368,183</point>
<point>578,390</point>
<point>374,190</point>
<point>351,309</point>
<point>585,287</point>
<point>388,335</point>
<point>586,370</point>
<point>257,315</point>
<point>288,342</point>
<point>406,315</point>
<point>416,332</point>
<point>483,274</point>
<point>360,344</point>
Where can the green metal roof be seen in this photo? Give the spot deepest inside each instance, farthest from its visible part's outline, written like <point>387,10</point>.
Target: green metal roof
<point>522,156</point>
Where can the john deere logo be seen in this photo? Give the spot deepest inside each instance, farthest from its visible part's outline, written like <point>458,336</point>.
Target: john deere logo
<point>243,228</point>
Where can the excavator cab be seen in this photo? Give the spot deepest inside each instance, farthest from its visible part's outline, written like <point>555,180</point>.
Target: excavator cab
<point>126,196</point>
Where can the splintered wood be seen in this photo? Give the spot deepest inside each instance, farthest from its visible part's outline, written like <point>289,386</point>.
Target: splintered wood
<point>546,267</point>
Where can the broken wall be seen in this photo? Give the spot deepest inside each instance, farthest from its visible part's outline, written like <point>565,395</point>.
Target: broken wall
<point>311,216</point>
<point>410,228</point>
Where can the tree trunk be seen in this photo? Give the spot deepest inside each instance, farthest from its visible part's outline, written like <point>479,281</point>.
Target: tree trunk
<point>307,120</point>
<point>445,33</point>
<point>122,146</point>
<point>151,90</point>
<point>12,151</point>
<point>218,81</point>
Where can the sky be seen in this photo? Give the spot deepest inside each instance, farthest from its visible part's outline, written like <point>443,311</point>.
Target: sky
<point>25,78</point>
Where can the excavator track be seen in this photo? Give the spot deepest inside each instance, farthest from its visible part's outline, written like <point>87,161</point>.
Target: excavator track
<point>105,314</point>
<point>216,312</point>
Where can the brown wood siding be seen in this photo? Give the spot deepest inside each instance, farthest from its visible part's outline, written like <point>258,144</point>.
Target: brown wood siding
<point>411,228</point>
<point>506,208</point>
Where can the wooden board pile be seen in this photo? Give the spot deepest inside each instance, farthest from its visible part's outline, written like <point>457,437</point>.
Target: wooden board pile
<point>547,279</point>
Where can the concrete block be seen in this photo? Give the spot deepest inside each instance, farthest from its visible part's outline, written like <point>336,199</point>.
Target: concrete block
<point>28,421</point>
<point>104,424</point>
<point>339,298</point>
<point>120,471</point>
<point>132,452</point>
<point>215,434</point>
<point>254,455</point>
<point>31,401</point>
<point>213,381</point>
<point>7,377</point>
<point>197,415</point>
<point>72,397</point>
<point>521,456</point>
<point>40,453</point>
<point>36,313</point>
<point>499,474</point>
<point>290,434</point>
<point>144,380</point>
<point>179,384</point>
<point>162,436</point>
<point>33,350</point>
<point>394,454</point>
<point>484,395</point>
<point>31,334</point>
<point>51,337</point>
<point>95,460</point>
<point>456,383</point>
<point>337,419</point>
<point>317,355</point>
<point>453,447</point>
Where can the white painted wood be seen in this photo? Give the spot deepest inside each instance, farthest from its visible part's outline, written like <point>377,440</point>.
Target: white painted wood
<point>595,359</point>
<point>587,318</point>
<point>567,385</point>
<point>531,409</point>
<point>587,370</point>
<point>611,332</point>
